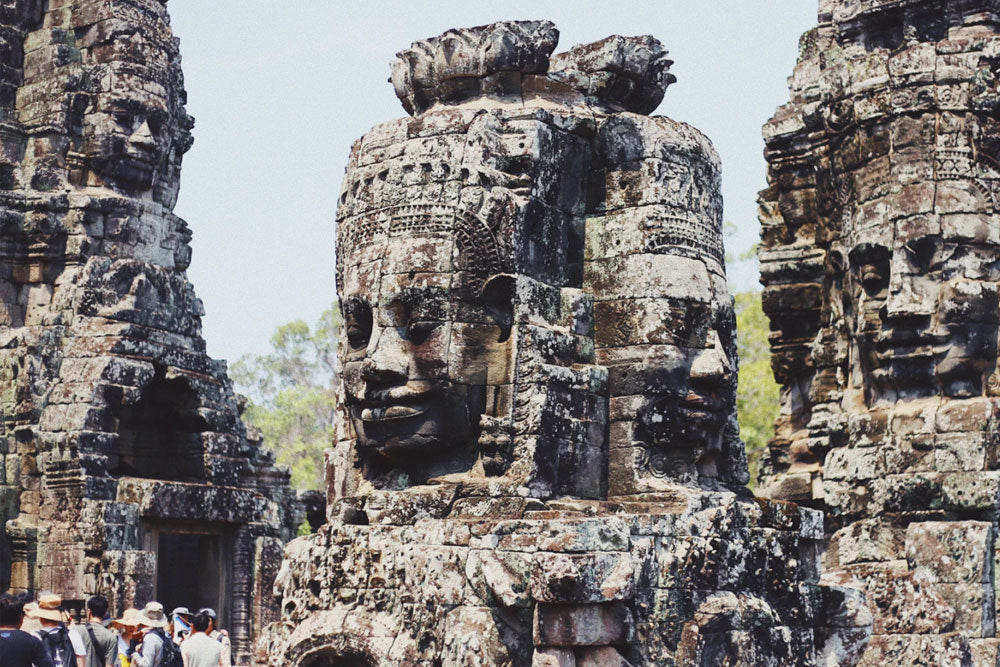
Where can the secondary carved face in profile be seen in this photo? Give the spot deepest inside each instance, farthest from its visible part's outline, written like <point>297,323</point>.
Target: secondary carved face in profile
<point>132,138</point>
<point>921,302</point>
<point>424,340</point>
<point>126,141</point>
<point>684,425</point>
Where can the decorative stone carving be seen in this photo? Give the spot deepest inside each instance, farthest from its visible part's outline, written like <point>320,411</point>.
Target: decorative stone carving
<point>537,459</point>
<point>879,258</point>
<point>120,438</point>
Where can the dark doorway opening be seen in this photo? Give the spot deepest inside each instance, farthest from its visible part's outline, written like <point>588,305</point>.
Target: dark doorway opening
<point>159,436</point>
<point>192,571</point>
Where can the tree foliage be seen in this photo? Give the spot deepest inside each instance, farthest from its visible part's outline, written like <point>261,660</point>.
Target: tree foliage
<point>758,398</point>
<point>291,394</point>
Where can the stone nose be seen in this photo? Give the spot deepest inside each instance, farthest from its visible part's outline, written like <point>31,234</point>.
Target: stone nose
<point>143,137</point>
<point>386,362</point>
<point>712,364</point>
<point>906,300</point>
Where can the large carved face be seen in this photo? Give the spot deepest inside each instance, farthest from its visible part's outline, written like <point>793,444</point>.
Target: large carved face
<point>127,140</point>
<point>672,357</point>
<point>921,300</point>
<point>423,342</point>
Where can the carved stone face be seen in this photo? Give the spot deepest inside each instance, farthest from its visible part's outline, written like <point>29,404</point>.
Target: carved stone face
<point>421,345</point>
<point>921,301</point>
<point>673,359</point>
<point>684,426</point>
<point>127,140</point>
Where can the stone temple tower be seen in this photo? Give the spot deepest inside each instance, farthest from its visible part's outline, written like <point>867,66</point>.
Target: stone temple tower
<point>537,459</point>
<point>881,263</point>
<point>126,468</point>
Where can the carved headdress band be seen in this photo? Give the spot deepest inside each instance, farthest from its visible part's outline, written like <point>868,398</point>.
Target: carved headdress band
<point>476,242</point>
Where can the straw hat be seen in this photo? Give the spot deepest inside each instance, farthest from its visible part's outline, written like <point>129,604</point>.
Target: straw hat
<point>49,608</point>
<point>129,619</point>
<point>152,616</point>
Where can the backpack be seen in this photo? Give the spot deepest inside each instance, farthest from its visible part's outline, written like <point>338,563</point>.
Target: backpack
<point>59,647</point>
<point>170,653</point>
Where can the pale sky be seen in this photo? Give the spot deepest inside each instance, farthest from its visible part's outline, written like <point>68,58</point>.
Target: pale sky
<point>281,88</point>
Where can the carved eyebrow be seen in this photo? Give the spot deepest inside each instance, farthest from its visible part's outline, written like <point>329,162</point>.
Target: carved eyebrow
<point>353,305</point>
<point>119,105</point>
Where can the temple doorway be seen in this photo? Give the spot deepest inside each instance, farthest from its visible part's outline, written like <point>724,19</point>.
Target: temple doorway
<point>193,567</point>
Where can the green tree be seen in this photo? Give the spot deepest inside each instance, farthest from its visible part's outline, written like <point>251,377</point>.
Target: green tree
<point>758,398</point>
<point>291,394</point>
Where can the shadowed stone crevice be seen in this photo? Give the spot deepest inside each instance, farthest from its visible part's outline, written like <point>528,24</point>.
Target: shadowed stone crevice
<point>159,435</point>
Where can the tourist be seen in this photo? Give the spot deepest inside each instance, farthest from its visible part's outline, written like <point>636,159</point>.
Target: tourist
<point>101,643</point>
<point>18,648</point>
<point>201,650</point>
<point>128,636</point>
<point>180,624</point>
<point>218,635</point>
<point>64,647</point>
<point>30,623</point>
<point>156,649</point>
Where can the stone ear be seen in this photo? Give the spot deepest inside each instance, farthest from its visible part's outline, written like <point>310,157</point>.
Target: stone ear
<point>498,296</point>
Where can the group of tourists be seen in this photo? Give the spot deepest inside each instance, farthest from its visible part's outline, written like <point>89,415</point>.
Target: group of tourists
<point>40,633</point>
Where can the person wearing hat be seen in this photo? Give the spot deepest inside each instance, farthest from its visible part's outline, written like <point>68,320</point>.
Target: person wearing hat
<point>30,623</point>
<point>127,628</point>
<point>18,648</point>
<point>180,622</point>
<point>152,625</point>
<point>64,647</point>
<point>218,635</point>
<point>101,644</point>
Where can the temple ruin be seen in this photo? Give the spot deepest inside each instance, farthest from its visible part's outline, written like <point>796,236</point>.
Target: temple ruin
<point>126,466</point>
<point>538,461</point>
<point>881,261</point>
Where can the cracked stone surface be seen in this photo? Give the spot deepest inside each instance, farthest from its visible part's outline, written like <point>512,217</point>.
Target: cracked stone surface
<point>537,459</point>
